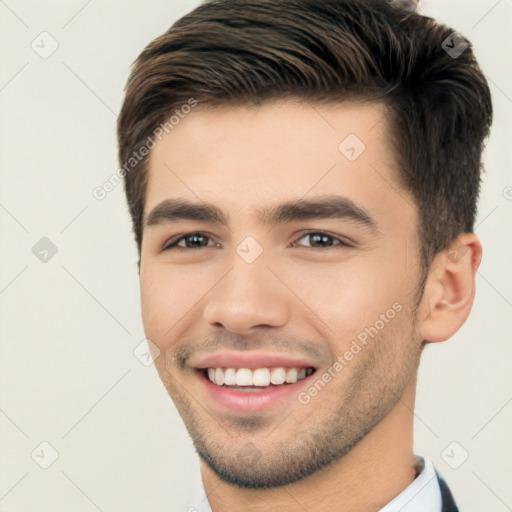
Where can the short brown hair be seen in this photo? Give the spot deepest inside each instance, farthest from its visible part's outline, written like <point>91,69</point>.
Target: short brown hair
<point>248,52</point>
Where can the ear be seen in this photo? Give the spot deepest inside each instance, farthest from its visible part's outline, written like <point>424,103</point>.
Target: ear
<point>450,289</point>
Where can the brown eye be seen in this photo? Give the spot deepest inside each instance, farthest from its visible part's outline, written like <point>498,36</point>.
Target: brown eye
<point>191,241</point>
<point>320,240</point>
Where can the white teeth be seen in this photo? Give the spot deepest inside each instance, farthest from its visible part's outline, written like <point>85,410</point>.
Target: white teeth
<point>291,375</point>
<point>278,376</point>
<point>258,377</point>
<point>230,377</point>
<point>219,376</point>
<point>261,377</point>
<point>243,377</point>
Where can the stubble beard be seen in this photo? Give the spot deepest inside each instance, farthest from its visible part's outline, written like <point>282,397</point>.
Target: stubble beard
<point>337,422</point>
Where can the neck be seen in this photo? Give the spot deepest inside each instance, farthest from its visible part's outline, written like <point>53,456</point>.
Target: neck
<point>374,472</point>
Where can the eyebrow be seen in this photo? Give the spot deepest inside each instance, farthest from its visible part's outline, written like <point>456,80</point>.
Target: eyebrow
<point>324,207</point>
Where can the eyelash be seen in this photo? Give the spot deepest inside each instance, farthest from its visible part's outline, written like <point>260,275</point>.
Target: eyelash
<point>174,245</point>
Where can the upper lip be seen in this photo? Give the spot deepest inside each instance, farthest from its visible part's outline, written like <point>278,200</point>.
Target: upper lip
<point>236,359</point>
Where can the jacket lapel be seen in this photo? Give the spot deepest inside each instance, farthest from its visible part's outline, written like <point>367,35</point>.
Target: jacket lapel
<point>447,501</point>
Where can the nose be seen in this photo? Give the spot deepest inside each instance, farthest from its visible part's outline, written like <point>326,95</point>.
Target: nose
<point>249,296</point>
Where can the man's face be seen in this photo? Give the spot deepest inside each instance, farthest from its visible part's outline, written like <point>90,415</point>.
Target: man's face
<point>324,290</point>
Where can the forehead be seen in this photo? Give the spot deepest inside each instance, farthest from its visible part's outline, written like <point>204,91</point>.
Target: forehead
<point>288,149</point>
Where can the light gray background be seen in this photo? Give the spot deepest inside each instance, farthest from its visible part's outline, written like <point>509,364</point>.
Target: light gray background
<point>69,326</point>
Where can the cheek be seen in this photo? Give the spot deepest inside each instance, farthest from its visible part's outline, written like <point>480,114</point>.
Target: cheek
<point>168,297</point>
<point>160,299</point>
<point>348,296</point>
<point>349,291</point>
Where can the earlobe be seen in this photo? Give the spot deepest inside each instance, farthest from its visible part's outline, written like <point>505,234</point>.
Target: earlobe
<point>450,289</point>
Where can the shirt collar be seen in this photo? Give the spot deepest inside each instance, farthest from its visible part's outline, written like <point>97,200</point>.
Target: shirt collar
<point>422,495</point>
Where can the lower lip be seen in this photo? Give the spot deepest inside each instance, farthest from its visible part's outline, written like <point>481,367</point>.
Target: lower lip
<point>252,401</point>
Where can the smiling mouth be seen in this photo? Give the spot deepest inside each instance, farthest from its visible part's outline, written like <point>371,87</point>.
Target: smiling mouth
<point>256,379</point>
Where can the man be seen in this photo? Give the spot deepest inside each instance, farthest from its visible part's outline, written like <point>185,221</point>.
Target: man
<point>302,178</point>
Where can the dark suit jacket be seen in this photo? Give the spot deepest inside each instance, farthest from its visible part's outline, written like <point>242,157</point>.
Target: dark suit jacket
<point>448,503</point>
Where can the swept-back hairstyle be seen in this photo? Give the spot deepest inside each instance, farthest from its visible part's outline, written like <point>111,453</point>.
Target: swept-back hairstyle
<point>249,52</point>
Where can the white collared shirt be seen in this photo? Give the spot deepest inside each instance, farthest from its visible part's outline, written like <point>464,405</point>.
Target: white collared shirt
<point>422,495</point>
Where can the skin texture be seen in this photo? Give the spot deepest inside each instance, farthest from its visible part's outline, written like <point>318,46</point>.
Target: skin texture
<point>297,298</point>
